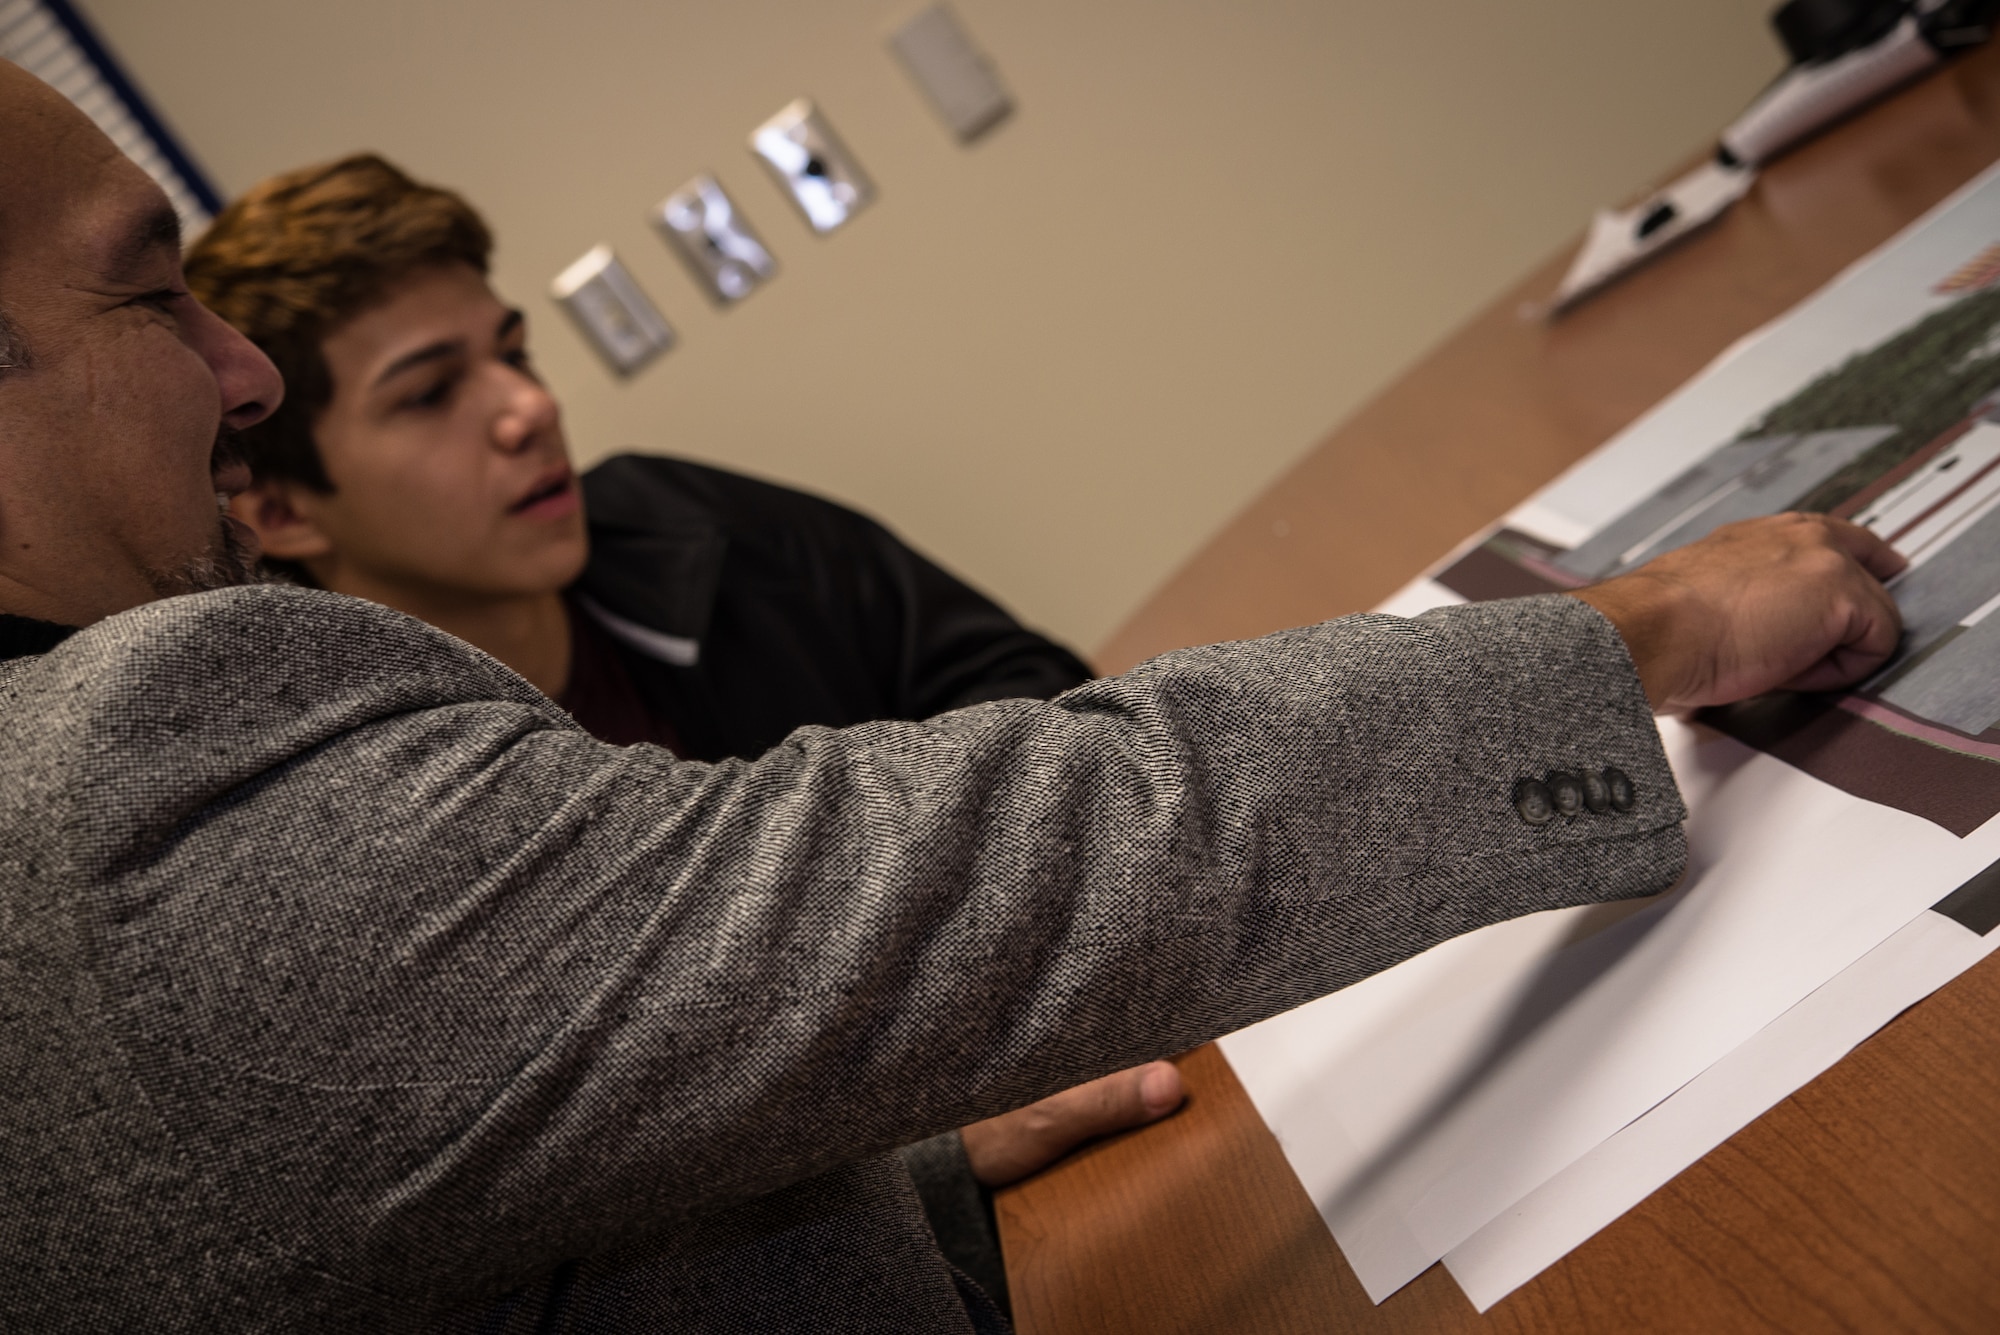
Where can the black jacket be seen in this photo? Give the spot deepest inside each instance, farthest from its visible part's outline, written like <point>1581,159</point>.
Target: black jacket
<point>746,610</point>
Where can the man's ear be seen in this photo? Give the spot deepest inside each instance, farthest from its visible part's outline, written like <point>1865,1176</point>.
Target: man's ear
<point>274,510</point>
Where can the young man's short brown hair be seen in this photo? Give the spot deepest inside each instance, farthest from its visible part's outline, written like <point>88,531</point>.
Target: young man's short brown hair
<point>303,252</point>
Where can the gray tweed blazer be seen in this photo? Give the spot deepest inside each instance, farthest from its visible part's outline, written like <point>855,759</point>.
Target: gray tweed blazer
<point>345,985</point>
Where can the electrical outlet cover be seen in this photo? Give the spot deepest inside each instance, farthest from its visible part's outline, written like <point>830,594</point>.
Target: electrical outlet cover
<point>813,166</point>
<point>613,312</point>
<point>714,240</point>
<point>957,77</point>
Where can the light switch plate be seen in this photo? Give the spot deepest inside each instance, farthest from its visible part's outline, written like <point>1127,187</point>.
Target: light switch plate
<point>955,75</point>
<point>714,240</point>
<point>617,317</point>
<point>813,166</point>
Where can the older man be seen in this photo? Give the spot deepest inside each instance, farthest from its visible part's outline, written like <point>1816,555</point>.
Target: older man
<point>346,985</point>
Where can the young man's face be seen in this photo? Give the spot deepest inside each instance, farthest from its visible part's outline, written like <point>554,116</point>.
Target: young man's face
<point>451,478</point>
<point>109,470</point>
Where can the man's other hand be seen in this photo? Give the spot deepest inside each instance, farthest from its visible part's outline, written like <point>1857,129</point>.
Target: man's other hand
<point>1792,601</point>
<point>1007,1148</point>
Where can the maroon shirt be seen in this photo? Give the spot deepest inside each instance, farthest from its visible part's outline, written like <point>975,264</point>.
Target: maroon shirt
<point>601,695</point>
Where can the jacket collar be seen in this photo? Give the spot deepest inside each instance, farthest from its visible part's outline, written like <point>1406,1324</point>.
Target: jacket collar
<point>21,636</point>
<point>655,554</point>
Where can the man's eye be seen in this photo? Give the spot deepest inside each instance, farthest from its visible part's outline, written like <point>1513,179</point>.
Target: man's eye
<point>435,396</point>
<point>164,299</point>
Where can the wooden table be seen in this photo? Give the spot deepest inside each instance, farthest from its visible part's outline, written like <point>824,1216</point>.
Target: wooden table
<point>1869,1200</point>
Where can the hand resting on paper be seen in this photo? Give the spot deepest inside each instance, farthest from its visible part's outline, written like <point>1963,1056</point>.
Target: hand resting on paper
<point>1791,601</point>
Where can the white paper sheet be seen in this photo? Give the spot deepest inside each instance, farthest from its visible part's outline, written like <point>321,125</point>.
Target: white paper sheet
<point>1786,1054</point>
<point>1622,239</point>
<point>1420,1104</point>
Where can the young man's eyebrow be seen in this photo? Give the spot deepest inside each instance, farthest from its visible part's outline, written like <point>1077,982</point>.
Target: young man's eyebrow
<point>450,347</point>
<point>430,352</point>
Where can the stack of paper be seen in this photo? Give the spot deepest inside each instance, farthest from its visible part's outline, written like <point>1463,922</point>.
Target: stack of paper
<point>1494,1102</point>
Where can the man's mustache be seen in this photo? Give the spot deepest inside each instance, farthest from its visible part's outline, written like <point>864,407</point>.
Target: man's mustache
<point>228,450</point>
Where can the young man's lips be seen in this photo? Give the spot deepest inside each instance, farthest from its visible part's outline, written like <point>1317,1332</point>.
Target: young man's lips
<point>551,500</point>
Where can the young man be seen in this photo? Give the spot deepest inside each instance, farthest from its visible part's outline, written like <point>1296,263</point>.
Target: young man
<point>420,462</point>
<point>347,984</point>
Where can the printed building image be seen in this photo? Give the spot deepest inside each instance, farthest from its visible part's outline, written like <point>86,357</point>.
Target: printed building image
<point>1760,475</point>
<point>1945,516</point>
<point>1940,507</point>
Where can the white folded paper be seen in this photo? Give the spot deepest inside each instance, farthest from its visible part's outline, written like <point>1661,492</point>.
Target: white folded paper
<point>1804,99</point>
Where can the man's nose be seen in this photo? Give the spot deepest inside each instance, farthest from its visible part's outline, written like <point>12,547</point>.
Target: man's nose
<point>527,411</point>
<point>250,386</point>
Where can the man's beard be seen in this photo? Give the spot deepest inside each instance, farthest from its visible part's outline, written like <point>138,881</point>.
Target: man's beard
<point>230,560</point>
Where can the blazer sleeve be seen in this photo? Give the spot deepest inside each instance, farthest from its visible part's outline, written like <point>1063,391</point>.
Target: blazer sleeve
<point>375,922</point>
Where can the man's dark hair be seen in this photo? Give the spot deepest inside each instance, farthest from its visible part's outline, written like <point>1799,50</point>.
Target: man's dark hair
<point>302,253</point>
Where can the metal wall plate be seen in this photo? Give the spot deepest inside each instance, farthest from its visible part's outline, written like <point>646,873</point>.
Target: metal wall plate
<point>714,240</point>
<point>813,166</point>
<point>617,317</point>
<point>955,75</point>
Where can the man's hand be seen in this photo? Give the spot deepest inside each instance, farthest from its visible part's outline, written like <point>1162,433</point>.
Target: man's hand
<point>1007,1148</point>
<point>1793,601</point>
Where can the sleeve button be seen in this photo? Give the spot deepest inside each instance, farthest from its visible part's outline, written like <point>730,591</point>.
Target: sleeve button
<point>1567,791</point>
<point>1596,792</point>
<point>1620,790</point>
<point>1533,800</point>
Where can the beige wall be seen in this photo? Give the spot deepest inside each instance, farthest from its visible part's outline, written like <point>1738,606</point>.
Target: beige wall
<point>1058,359</point>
